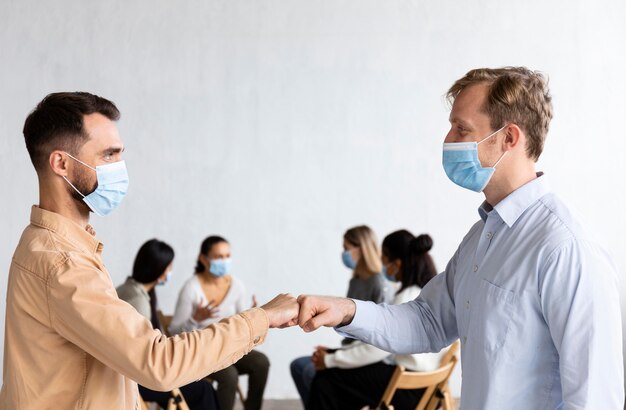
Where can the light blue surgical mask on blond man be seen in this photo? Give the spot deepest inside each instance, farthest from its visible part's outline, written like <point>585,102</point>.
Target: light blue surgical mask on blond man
<point>112,186</point>
<point>461,163</point>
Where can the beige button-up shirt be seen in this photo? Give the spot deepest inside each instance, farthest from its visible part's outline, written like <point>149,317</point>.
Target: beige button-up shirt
<point>71,343</point>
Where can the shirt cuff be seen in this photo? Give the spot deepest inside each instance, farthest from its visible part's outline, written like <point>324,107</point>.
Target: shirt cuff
<point>329,360</point>
<point>258,323</point>
<point>362,320</point>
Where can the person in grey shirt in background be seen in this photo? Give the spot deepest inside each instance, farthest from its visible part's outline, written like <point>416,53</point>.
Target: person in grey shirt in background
<point>361,254</point>
<point>153,267</point>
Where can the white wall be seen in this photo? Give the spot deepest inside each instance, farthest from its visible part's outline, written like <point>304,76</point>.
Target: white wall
<point>279,124</point>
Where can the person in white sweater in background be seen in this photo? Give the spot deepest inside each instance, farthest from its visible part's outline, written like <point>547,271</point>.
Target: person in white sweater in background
<point>209,296</point>
<point>357,374</point>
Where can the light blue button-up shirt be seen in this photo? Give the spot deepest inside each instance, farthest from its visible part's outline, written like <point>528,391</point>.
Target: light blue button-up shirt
<point>534,303</point>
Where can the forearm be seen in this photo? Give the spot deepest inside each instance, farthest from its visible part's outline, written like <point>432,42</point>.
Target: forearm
<point>402,329</point>
<point>357,354</point>
<point>179,360</point>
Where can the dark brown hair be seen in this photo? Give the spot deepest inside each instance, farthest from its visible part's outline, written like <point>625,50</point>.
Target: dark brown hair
<point>417,266</point>
<point>57,123</point>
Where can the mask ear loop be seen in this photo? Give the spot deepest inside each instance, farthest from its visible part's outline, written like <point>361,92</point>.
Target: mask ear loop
<point>498,161</point>
<point>488,136</point>
<point>491,135</point>
<point>89,166</point>
<point>68,181</point>
<point>72,185</point>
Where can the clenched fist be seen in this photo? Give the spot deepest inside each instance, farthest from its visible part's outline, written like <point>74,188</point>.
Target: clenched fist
<point>316,311</point>
<point>282,311</point>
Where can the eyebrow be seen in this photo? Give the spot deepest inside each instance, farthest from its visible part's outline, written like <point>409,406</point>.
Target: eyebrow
<point>457,120</point>
<point>113,150</point>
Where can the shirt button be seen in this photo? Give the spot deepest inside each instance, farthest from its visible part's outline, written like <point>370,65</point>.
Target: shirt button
<point>489,235</point>
<point>464,339</point>
<point>475,268</point>
<point>467,304</point>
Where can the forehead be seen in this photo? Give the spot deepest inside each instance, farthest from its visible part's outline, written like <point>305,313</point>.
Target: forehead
<point>103,133</point>
<point>220,247</point>
<point>467,106</point>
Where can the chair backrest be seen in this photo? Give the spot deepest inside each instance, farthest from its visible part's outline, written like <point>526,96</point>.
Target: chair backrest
<point>435,382</point>
<point>451,352</point>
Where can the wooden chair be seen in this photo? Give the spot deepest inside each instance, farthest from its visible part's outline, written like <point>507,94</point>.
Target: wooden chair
<point>165,324</point>
<point>176,402</point>
<point>436,383</point>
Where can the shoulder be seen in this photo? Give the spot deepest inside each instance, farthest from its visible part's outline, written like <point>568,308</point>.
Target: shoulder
<point>556,228</point>
<point>191,286</point>
<point>40,253</point>
<point>128,290</point>
<point>130,293</point>
<point>377,281</point>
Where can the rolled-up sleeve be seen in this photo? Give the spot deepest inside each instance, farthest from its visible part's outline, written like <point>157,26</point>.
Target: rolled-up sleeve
<point>84,309</point>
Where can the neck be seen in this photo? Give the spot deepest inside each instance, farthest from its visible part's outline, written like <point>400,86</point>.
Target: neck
<point>209,278</point>
<point>508,182</point>
<point>62,203</point>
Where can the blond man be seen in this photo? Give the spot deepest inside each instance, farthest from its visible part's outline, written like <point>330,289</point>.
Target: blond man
<point>531,297</point>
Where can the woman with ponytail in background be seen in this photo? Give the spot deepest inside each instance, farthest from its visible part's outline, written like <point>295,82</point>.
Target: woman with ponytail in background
<point>361,254</point>
<point>405,260</point>
<point>210,295</point>
<point>153,267</point>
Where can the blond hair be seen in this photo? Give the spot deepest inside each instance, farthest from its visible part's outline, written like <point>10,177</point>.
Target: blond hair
<point>365,239</point>
<point>516,95</point>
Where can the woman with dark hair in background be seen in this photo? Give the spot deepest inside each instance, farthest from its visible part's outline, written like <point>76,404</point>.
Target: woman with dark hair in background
<point>361,255</point>
<point>209,296</point>
<point>153,267</point>
<point>405,260</point>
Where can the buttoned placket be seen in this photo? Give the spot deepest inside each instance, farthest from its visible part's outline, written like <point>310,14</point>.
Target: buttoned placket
<point>488,233</point>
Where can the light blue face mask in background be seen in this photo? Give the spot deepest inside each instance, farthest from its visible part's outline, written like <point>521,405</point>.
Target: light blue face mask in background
<point>461,163</point>
<point>112,187</point>
<point>167,279</point>
<point>389,277</point>
<point>348,261</point>
<point>220,267</point>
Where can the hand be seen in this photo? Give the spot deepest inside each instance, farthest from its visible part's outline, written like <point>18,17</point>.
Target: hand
<point>204,312</point>
<point>318,359</point>
<point>254,304</point>
<point>282,311</point>
<point>316,311</point>
<point>321,348</point>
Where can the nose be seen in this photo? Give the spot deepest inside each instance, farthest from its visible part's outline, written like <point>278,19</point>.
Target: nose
<point>450,136</point>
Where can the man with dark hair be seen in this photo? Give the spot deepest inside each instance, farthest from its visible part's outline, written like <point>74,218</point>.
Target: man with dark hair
<point>69,341</point>
<point>531,297</point>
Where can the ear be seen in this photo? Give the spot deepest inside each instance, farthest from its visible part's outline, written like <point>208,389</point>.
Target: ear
<point>514,136</point>
<point>58,163</point>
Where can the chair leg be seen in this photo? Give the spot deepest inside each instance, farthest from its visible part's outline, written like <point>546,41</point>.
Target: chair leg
<point>447,401</point>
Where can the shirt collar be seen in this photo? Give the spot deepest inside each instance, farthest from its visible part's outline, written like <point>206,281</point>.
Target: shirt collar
<point>84,238</point>
<point>518,201</point>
